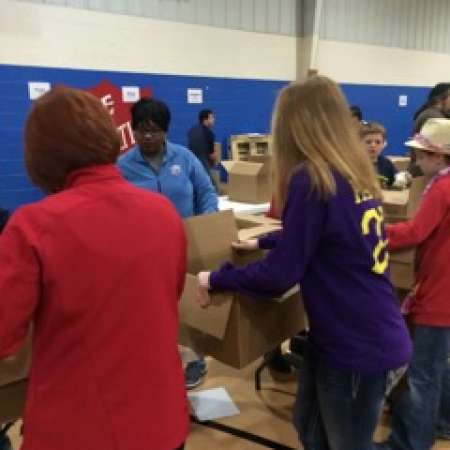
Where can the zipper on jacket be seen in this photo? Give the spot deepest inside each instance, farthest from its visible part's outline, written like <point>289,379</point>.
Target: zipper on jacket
<point>158,181</point>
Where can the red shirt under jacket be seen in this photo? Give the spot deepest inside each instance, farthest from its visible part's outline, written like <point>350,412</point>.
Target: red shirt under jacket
<point>429,230</point>
<point>98,269</point>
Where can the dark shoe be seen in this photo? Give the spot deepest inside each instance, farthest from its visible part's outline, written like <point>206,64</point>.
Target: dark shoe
<point>382,446</point>
<point>297,343</point>
<point>277,362</point>
<point>194,373</point>
<point>5,443</point>
<point>440,434</point>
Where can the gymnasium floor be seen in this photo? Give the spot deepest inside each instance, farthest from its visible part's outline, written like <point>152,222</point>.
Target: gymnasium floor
<point>266,414</point>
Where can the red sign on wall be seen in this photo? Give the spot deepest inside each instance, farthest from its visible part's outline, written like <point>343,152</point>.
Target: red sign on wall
<point>111,97</point>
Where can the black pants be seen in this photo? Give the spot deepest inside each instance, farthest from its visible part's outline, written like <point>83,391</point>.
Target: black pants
<point>180,448</point>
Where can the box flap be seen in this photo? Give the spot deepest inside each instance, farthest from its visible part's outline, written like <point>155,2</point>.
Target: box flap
<point>254,232</point>
<point>13,397</point>
<point>213,320</point>
<point>16,367</point>
<point>245,220</point>
<point>209,238</point>
<point>415,194</point>
<point>405,256</point>
<point>397,198</point>
<point>228,165</point>
<point>243,167</point>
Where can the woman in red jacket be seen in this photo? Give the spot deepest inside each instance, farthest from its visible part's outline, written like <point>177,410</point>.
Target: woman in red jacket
<point>97,268</point>
<point>424,407</point>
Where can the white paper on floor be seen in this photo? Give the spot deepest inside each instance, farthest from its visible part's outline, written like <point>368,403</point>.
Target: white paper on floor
<point>211,404</point>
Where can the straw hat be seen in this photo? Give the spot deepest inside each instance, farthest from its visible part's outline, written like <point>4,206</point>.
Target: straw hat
<point>433,137</point>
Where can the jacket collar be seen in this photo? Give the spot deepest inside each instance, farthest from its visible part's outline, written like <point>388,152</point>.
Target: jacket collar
<point>139,157</point>
<point>92,174</point>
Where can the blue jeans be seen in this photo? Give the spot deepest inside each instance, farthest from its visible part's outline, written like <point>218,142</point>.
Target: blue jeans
<point>443,425</point>
<point>424,406</point>
<point>337,410</point>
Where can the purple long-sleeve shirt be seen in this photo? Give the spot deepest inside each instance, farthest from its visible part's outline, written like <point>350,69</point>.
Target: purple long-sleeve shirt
<point>335,249</point>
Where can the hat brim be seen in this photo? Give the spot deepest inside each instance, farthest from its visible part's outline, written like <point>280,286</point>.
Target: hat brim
<point>413,143</point>
<point>417,145</point>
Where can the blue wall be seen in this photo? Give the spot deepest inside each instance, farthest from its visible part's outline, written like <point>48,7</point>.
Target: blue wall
<point>241,106</point>
<point>380,104</point>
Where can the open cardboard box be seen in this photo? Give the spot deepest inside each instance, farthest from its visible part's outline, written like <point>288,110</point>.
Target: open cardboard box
<point>400,206</point>
<point>252,226</point>
<point>235,330</point>
<point>249,182</point>
<point>401,163</point>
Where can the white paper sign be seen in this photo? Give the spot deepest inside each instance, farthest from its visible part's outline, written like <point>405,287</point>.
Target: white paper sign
<point>195,96</point>
<point>403,101</point>
<point>211,404</point>
<point>130,94</point>
<point>37,88</point>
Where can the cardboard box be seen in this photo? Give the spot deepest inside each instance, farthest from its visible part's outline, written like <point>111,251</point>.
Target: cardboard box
<point>245,147</point>
<point>402,268</point>
<point>217,152</point>
<point>249,182</point>
<point>245,220</point>
<point>400,206</point>
<point>12,401</point>
<point>13,374</point>
<point>235,330</point>
<point>401,163</point>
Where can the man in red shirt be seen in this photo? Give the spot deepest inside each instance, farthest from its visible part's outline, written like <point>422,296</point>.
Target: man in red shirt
<point>415,417</point>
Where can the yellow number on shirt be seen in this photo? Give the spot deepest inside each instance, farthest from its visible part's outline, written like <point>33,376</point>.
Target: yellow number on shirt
<point>380,257</point>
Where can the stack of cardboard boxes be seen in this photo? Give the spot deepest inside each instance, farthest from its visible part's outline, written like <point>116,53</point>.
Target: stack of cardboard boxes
<point>244,147</point>
<point>249,170</point>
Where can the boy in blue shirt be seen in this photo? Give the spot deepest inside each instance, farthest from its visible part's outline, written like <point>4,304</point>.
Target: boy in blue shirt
<point>373,136</point>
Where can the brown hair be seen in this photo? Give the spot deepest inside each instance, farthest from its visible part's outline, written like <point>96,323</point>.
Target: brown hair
<point>67,129</point>
<point>372,128</point>
<point>312,128</point>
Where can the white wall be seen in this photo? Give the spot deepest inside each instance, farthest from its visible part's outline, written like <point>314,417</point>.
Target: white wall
<point>44,35</point>
<point>370,64</point>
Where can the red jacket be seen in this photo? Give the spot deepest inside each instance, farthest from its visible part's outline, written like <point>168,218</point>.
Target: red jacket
<point>98,269</point>
<point>430,231</point>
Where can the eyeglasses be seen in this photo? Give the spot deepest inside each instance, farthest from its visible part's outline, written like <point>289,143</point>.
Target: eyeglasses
<point>148,132</point>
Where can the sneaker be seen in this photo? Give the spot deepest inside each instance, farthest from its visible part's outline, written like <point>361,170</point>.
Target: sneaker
<point>297,344</point>
<point>194,373</point>
<point>440,434</point>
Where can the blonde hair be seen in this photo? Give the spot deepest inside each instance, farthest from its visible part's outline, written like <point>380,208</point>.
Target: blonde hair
<point>312,128</point>
<point>372,128</point>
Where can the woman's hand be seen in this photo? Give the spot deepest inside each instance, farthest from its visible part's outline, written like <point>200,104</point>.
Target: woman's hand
<point>249,244</point>
<point>203,297</point>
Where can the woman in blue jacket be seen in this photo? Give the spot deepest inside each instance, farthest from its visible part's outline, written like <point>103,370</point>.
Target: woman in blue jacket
<point>161,166</point>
